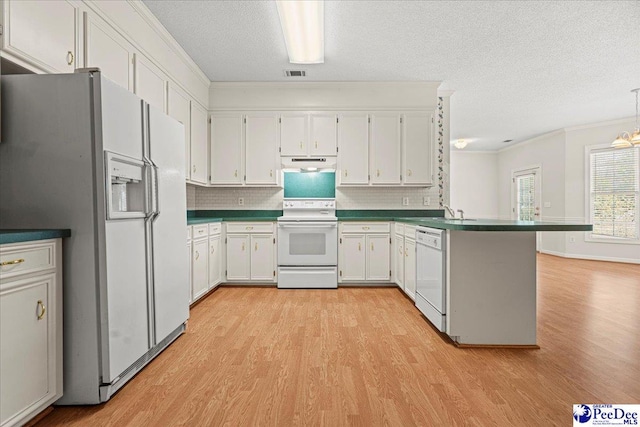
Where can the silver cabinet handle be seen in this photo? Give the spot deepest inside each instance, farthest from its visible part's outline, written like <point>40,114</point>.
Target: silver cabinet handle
<point>197,255</point>
<point>378,172</point>
<point>212,249</point>
<point>235,174</point>
<point>69,57</point>
<point>346,172</point>
<point>243,246</point>
<point>409,173</point>
<point>194,168</point>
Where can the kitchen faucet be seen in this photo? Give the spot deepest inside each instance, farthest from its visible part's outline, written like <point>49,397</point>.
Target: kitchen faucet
<point>451,211</point>
<point>461,214</point>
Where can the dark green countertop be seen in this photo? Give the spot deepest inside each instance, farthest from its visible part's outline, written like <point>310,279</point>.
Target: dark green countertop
<point>495,225</point>
<point>202,220</point>
<point>27,235</point>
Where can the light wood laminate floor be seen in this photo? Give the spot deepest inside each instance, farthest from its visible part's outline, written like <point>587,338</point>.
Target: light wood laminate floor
<point>366,357</point>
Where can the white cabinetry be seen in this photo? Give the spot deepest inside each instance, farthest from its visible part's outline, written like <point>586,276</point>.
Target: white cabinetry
<point>404,258</point>
<point>385,149</point>
<point>199,144</point>
<point>308,134</point>
<point>30,329</point>
<point>244,149</point>
<point>364,252</point>
<point>199,261</point>
<point>150,82</point>
<point>106,49</point>
<point>251,255</point>
<point>417,148</point>
<point>206,259</point>
<point>179,107</point>
<point>261,156</point>
<point>226,148</point>
<point>353,148</point>
<point>41,34</point>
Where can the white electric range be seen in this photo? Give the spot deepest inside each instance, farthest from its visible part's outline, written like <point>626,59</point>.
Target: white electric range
<point>308,244</point>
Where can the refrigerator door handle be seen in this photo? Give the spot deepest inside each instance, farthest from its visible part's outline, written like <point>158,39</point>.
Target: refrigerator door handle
<point>149,179</point>
<point>156,203</point>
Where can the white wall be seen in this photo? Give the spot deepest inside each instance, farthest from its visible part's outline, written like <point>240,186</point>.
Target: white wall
<point>575,192</point>
<point>474,183</point>
<point>561,155</point>
<point>547,152</point>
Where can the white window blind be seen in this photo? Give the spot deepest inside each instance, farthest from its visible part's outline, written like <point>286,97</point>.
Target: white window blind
<point>614,201</point>
<point>526,186</point>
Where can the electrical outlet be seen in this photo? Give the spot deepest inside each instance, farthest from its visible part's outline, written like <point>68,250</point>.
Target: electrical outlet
<point>547,204</point>
<point>572,239</point>
<point>241,201</point>
<point>426,201</point>
<point>405,201</point>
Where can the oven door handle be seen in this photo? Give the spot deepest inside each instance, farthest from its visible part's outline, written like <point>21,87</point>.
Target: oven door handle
<point>307,225</point>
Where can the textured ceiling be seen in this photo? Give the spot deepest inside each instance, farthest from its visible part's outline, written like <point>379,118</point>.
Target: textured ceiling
<point>518,68</point>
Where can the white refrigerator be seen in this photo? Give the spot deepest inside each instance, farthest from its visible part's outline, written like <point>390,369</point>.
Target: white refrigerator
<point>80,152</point>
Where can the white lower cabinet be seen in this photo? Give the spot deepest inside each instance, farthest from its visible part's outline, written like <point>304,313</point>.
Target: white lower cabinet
<point>205,248</point>
<point>404,258</point>
<point>30,329</point>
<point>364,252</point>
<point>251,254</point>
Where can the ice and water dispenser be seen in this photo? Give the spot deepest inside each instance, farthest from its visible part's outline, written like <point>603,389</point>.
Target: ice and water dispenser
<point>126,187</point>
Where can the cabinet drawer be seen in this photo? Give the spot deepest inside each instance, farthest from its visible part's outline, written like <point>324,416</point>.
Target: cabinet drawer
<point>24,259</point>
<point>215,228</point>
<point>410,231</point>
<point>366,227</point>
<point>398,228</point>
<point>200,231</point>
<point>250,227</point>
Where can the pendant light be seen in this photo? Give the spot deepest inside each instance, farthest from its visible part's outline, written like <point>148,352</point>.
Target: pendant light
<point>625,140</point>
<point>460,144</point>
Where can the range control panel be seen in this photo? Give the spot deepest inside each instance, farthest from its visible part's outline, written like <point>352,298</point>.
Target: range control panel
<point>308,204</point>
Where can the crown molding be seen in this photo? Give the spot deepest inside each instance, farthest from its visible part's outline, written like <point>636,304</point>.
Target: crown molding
<point>532,140</point>
<point>600,124</point>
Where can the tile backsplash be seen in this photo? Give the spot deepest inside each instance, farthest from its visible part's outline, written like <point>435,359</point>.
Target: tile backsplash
<point>203,198</point>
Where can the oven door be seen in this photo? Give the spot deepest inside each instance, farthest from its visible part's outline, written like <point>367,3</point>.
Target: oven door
<point>306,243</point>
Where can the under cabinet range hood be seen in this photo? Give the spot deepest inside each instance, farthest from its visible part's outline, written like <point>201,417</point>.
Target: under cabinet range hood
<point>308,164</point>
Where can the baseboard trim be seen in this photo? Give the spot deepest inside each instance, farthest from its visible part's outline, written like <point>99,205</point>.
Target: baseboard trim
<point>35,420</point>
<point>503,346</point>
<point>590,257</point>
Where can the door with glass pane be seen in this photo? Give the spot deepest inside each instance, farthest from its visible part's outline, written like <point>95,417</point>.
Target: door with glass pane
<point>526,195</point>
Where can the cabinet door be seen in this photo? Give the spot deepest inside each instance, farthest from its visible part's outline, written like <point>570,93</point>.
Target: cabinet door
<point>293,135</point>
<point>226,149</point>
<point>352,257</point>
<point>262,253</point>
<point>385,148</point>
<point>199,149</point>
<point>410,268</point>
<point>378,257</point>
<point>42,33</point>
<point>179,107</point>
<point>150,83</point>
<point>26,345</point>
<point>262,160</point>
<point>215,258</point>
<point>398,258</point>
<point>353,152</point>
<point>417,135</point>
<point>199,268</point>
<point>324,135</point>
<point>238,257</point>
<point>108,50</point>
<point>190,273</point>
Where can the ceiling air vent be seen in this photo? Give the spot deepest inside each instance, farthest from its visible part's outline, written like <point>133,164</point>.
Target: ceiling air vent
<point>295,73</point>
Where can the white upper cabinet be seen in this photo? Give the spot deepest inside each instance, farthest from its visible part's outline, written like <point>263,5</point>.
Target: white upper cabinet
<point>417,143</point>
<point>353,148</point>
<point>199,145</point>
<point>106,49</point>
<point>150,82</point>
<point>179,107</point>
<point>293,134</point>
<point>324,134</point>
<point>385,148</point>
<point>308,134</point>
<point>41,33</point>
<point>261,138</point>
<point>226,148</point>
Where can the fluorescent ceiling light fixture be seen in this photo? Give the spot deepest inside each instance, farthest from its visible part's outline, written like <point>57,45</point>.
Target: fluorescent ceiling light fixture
<point>302,23</point>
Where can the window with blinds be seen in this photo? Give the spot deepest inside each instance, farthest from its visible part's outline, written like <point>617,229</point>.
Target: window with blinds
<point>614,193</point>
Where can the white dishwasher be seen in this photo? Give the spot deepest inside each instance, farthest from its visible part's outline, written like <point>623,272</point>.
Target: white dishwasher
<point>431,274</point>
